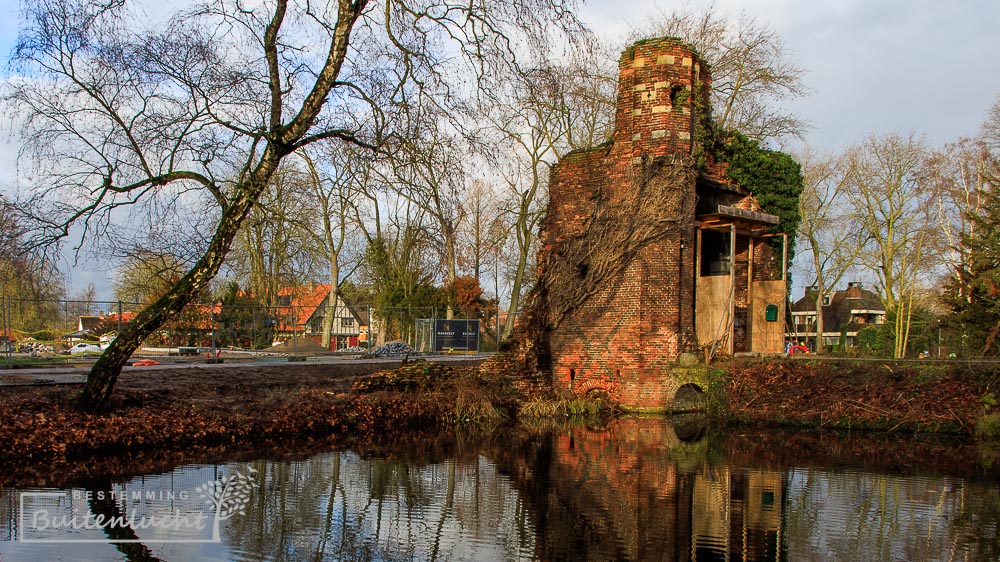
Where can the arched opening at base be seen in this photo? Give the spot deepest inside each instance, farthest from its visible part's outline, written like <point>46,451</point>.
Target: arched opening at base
<point>689,428</point>
<point>601,395</point>
<point>689,398</point>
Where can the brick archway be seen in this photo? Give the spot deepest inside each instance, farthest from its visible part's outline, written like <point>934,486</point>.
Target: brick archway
<point>690,397</point>
<point>591,386</point>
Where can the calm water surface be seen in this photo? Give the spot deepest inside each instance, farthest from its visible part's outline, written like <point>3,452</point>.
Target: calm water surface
<point>627,489</point>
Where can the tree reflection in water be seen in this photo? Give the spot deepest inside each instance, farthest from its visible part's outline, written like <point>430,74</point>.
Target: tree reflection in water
<point>102,505</point>
<point>629,489</point>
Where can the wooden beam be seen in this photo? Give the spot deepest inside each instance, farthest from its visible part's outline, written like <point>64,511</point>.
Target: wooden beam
<point>784,258</point>
<point>732,287</point>
<point>697,255</point>
<point>752,249</point>
<point>754,216</point>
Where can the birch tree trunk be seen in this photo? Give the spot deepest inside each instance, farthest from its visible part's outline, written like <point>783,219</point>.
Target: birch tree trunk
<point>119,114</point>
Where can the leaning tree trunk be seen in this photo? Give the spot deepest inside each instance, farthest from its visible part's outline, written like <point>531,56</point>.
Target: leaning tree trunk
<point>103,375</point>
<point>281,141</point>
<point>524,247</point>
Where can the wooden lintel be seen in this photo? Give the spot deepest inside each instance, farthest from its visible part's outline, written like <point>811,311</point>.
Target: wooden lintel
<point>754,216</point>
<point>742,228</point>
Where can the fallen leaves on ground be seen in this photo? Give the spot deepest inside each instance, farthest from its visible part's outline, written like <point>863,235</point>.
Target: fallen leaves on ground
<point>863,395</point>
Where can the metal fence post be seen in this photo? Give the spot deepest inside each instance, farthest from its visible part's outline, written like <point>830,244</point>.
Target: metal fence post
<point>8,331</point>
<point>211,325</point>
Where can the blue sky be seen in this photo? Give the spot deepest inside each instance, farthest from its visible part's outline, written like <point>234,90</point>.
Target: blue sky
<point>874,66</point>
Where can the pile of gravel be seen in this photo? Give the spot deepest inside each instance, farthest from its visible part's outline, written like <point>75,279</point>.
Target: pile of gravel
<point>392,349</point>
<point>353,349</point>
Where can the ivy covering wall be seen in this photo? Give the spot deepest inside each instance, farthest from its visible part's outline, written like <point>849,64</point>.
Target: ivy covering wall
<point>774,178</point>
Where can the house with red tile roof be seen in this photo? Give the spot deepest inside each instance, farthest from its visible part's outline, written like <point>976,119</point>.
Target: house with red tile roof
<point>103,322</point>
<point>302,310</point>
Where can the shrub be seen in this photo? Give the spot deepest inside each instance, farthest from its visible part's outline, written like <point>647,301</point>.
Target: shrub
<point>473,406</point>
<point>988,427</point>
<point>572,406</point>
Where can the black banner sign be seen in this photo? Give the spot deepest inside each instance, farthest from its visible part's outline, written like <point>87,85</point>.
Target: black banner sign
<point>456,335</point>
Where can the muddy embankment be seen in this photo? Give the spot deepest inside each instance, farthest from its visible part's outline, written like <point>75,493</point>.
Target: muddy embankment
<point>928,396</point>
<point>165,417</point>
<point>187,413</point>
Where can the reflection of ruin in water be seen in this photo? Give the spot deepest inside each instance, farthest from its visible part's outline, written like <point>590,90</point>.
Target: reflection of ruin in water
<point>634,491</point>
<point>628,489</point>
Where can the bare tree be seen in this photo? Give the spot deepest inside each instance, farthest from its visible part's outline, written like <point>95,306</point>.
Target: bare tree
<point>751,70</point>
<point>209,103</point>
<point>827,228</point>
<point>483,232</point>
<point>991,127</point>
<point>959,174</point>
<point>27,272</point>
<point>533,124</point>
<point>584,91</point>
<point>894,207</point>
<point>333,187</point>
<point>430,171</point>
<point>80,304</point>
<point>146,275</point>
<point>270,251</point>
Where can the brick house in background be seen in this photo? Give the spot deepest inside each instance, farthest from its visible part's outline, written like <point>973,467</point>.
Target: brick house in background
<point>715,281</point>
<point>845,313</point>
<point>104,322</point>
<point>302,309</point>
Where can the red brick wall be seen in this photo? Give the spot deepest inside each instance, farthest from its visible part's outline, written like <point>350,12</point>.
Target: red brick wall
<point>657,85</point>
<point>625,337</point>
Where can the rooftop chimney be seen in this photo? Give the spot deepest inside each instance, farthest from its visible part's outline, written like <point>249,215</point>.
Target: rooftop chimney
<point>854,290</point>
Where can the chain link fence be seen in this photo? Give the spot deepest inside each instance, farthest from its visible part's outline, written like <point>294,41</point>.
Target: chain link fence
<point>58,326</point>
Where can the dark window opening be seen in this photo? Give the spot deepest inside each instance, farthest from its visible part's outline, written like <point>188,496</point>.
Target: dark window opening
<point>714,253</point>
<point>676,95</point>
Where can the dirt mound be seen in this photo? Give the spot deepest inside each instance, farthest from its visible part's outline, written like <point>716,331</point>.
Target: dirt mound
<point>299,345</point>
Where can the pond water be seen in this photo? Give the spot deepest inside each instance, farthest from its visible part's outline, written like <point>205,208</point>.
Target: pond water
<point>626,489</point>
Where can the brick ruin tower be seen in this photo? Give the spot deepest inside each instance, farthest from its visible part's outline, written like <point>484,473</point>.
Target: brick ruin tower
<point>622,252</point>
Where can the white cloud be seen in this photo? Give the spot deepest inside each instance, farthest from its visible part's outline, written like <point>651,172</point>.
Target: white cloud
<point>874,66</point>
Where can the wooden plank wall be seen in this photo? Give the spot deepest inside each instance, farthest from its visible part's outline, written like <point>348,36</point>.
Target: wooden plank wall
<point>767,337</point>
<point>713,310</point>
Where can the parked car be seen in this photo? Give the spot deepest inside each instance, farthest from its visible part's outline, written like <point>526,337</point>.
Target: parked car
<point>85,348</point>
